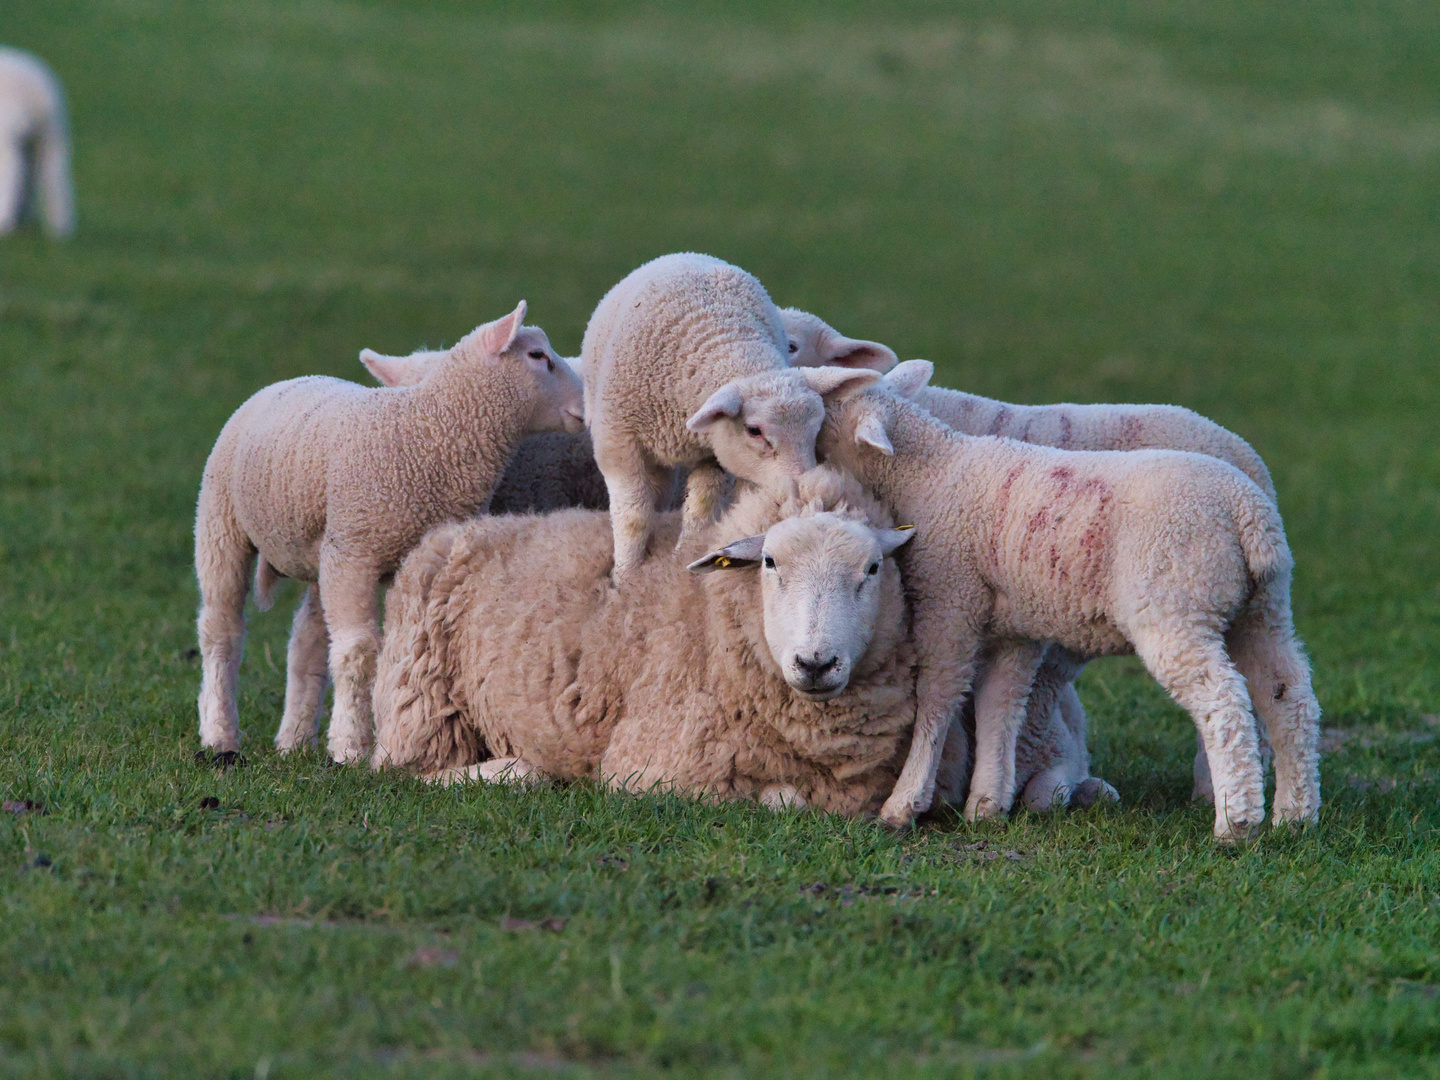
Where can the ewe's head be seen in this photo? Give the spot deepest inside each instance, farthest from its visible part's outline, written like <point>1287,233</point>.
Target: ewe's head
<point>506,343</point>
<point>823,578</point>
<point>814,343</point>
<point>762,428</point>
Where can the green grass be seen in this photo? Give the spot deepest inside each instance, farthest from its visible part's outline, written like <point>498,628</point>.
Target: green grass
<point>1226,205</point>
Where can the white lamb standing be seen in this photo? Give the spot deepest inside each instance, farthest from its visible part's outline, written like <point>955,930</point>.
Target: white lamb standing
<point>332,483</point>
<point>685,364</point>
<point>34,143</point>
<point>776,667</point>
<point>551,470</point>
<point>1177,556</point>
<point>1066,426</point>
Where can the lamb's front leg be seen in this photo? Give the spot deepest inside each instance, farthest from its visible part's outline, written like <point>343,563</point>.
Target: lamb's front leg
<point>704,489</point>
<point>947,658</point>
<point>1000,700</point>
<point>348,596</point>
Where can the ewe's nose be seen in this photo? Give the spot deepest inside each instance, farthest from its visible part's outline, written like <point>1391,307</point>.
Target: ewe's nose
<point>815,667</point>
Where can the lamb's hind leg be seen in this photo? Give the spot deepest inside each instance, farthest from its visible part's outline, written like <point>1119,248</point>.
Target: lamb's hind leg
<point>1192,665</point>
<point>1000,699</point>
<point>224,558</point>
<point>633,484</point>
<point>1262,641</point>
<point>307,673</point>
<point>348,596</point>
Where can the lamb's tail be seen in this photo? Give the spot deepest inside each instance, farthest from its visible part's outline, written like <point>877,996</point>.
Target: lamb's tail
<point>1262,534</point>
<point>266,577</point>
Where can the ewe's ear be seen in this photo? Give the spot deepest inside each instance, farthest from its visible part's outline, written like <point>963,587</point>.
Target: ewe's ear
<point>499,335</point>
<point>838,383</point>
<point>397,370</point>
<point>870,431</point>
<point>910,376</point>
<point>841,351</point>
<point>736,556</point>
<point>723,403</point>
<point>890,539</point>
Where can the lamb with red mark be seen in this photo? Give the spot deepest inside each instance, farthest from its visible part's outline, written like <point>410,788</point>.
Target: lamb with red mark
<point>1178,557</point>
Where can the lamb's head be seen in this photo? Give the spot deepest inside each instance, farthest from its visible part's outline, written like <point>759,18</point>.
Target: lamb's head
<point>823,577</point>
<point>815,343</point>
<point>862,423</point>
<point>554,387</point>
<point>762,428</point>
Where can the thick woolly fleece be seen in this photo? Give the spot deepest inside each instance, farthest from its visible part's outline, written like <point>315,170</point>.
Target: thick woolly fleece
<point>332,483</point>
<point>504,640</point>
<point>1177,556</point>
<point>685,363</point>
<point>34,143</point>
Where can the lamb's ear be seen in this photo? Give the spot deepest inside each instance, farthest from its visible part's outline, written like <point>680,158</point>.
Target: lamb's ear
<point>736,556</point>
<point>890,539</point>
<point>910,376</point>
<point>841,351</point>
<point>396,370</point>
<point>838,383</point>
<point>870,431</point>
<point>723,403</point>
<point>499,335</point>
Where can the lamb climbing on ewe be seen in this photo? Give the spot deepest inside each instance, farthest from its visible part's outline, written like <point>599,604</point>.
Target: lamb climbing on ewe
<point>685,363</point>
<point>777,667</point>
<point>332,483</point>
<point>1178,556</point>
<point>1066,426</point>
<point>34,143</point>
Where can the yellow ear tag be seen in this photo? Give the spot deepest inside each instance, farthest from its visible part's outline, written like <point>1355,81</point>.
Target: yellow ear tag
<point>904,528</point>
<point>722,561</point>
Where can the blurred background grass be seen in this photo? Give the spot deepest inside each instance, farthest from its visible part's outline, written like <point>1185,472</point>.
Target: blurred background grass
<point>1231,206</point>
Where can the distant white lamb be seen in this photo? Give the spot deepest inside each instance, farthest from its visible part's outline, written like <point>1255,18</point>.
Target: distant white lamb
<point>34,143</point>
<point>777,667</point>
<point>332,483</point>
<point>685,363</point>
<point>1066,426</point>
<point>1177,556</point>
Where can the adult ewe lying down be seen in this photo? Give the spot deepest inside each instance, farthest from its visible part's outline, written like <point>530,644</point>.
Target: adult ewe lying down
<point>1177,556</point>
<point>685,363</point>
<point>332,483</point>
<point>782,671</point>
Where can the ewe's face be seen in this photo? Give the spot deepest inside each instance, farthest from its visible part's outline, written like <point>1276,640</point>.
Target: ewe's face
<point>820,579</point>
<point>561,402</point>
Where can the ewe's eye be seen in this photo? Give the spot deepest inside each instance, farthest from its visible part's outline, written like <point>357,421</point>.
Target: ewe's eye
<point>874,569</point>
<point>537,354</point>
<point>794,347</point>
<point>769,563</point>
<point>752,430</point>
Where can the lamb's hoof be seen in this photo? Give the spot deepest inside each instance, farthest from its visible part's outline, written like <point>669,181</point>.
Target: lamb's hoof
<point>1294,817</point>
<point>223,759</point>
<point>1091,791</point>
<point>1236,833</point>
<point>898,817</point>
<point>350,754</point>
<point>983,808</point>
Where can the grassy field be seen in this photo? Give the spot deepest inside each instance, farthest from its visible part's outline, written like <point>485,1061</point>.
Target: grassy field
<point>1227,205</point>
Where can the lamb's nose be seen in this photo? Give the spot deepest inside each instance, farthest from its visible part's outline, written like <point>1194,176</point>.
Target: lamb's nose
<point>813,669</point>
